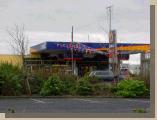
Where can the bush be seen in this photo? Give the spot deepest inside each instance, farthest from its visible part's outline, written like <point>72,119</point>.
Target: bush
<point>92,80</point>
<point>103,89</point>
<point>131,88</point>
<point>36,82</point>
<point>68,84</point>
<point>84,88</point>
<point>145,78</point>
<point>140,110</point>
<point>98,89</point>
<point>52,86</point>
<point>10,79</point>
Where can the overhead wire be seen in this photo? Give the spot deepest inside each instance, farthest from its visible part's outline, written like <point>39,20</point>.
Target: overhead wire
<point>94,23</point>
<point>80,28</point>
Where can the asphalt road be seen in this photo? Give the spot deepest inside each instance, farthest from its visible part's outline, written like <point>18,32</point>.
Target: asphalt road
<point>73,105</point>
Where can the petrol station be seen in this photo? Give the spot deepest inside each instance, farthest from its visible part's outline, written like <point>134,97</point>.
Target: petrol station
<point>86,56</point>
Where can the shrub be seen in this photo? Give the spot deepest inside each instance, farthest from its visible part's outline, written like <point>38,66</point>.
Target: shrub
<point>98,89</point>
<point>92,80</point>
<point>140,110</point>
<point>10,79</point>
<point>131,88</point>
<point>103,89</point>
<point>36,82</point>
<point>68,84</point>
<point>145,78</point>
<point>52,86</point>
<point>84,88</point>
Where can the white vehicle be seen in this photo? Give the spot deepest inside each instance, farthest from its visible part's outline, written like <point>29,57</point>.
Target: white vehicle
<point>105,75</point>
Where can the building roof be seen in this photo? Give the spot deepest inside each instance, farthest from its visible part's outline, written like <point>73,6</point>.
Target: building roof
<point>65,46</point>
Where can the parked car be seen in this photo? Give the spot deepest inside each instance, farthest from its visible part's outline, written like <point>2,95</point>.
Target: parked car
<point>105,75</point>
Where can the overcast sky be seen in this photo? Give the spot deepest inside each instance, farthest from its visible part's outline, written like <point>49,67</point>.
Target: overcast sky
<point>51,20</point>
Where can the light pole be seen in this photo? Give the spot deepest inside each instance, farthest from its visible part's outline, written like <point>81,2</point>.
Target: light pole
<point>72,52</point>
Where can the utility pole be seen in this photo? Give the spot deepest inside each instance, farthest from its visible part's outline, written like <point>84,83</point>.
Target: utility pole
<point>109,9</point>
<point>88,37</point>
<point>113,59</point>
<point>72,52</point>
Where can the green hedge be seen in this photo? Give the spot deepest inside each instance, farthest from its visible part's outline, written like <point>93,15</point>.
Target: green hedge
<point>52,86</point>
<point>105,89</point>
<point>84,87</point>
<point>69,83</point>
<point>59,85</point>
<point>131,88</point>
<point>92,80</point>
<point>10,79</point>
<point>36,83</point>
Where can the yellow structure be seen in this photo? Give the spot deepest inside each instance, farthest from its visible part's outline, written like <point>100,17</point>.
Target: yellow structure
<point>141,48</point>
<point>13,59</point>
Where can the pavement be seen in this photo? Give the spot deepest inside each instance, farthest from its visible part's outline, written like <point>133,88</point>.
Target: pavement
<point>73,105</point>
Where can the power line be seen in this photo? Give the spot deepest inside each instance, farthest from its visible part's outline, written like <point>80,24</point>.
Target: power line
<point>87,25</point>
<point>91,24</point>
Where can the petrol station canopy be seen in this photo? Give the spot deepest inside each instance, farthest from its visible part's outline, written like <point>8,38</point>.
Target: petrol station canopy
<point>122,48</point>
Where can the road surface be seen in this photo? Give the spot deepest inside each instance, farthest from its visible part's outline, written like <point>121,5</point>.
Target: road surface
<point>73,105</point>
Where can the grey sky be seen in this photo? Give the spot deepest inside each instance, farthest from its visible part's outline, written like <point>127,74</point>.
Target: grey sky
<point>50,20</point>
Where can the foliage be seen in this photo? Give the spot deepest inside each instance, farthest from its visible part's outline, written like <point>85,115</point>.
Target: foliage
<point>141,77</point>
<point>98,89</point>
<point>10,79</point>
<point>131,88</point>
<point>68,84</point>
<point>91,79</point>
<point>139,110</point>
<point>103,89</point>
<point>84,87</point>
<point>36,82</point>
<point>87,74</point>
<point>10,110</point>
<point>52,86</point>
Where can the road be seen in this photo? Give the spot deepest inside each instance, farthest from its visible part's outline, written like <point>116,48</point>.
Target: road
<point>73,105</point>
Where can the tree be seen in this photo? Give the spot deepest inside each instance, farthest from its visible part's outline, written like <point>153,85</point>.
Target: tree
<point>18,41</point>
<point>19,44</point>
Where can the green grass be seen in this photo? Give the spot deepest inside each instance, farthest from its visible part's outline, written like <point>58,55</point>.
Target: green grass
<point>139,110</point>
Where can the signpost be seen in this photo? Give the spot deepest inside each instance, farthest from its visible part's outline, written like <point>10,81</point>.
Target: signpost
<point>113,47</point>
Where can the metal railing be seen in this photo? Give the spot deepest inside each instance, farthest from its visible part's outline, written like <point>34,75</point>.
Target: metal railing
<point>45,62</point>
<point>52,62</point>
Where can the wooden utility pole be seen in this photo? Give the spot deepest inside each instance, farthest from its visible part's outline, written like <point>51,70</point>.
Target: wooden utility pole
<point>72,52</point>
<point>109,9</point>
